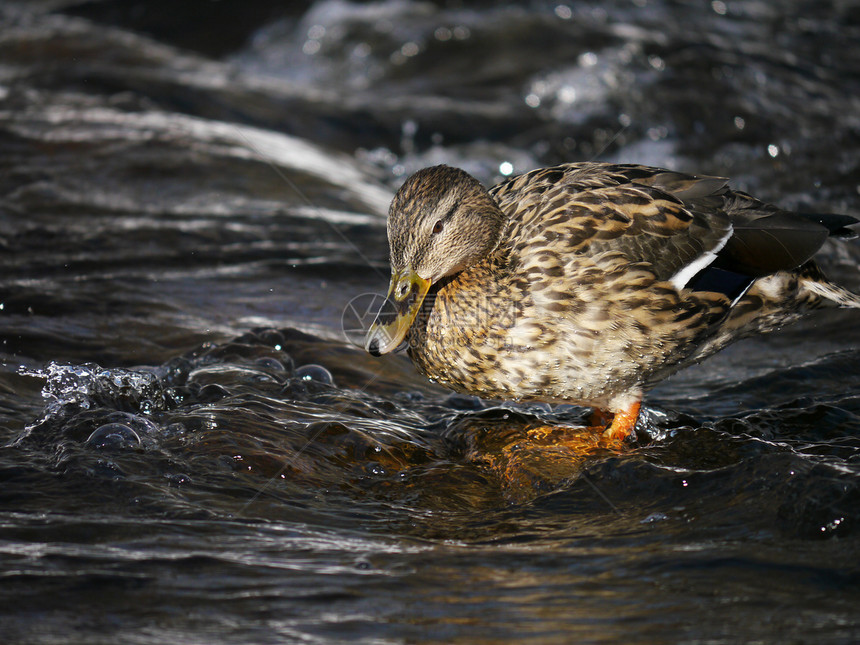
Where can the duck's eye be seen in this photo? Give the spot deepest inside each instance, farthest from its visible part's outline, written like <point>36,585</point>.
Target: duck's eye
<point>437,227</point>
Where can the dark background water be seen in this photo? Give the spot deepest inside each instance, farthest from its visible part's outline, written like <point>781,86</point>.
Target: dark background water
<point>191,194</point>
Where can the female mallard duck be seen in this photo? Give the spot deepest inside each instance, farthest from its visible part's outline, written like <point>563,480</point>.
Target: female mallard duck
<point>588,283</point>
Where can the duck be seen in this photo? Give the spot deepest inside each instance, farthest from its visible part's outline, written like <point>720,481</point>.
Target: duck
<point>589,283</point>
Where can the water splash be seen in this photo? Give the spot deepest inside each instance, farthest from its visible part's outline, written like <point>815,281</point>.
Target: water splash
<point>82,387</point>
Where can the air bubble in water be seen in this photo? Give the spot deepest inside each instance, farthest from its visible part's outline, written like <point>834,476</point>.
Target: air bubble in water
<point>315,373</point>
<point>113,436</point>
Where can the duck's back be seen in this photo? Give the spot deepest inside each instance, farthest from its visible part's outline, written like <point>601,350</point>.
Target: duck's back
<point>678,224</point>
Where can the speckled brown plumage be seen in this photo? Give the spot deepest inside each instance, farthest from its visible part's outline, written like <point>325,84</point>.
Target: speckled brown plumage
<point>589,283</point>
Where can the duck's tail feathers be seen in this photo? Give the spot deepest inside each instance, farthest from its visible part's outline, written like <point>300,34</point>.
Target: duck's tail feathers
<point>837,225</point>
<point>813,280</point>
<point>830,294</point>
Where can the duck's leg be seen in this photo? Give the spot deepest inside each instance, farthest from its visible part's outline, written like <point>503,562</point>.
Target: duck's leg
<point>623,422</point>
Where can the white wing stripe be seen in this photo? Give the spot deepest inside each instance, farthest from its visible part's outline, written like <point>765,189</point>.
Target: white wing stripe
<point>685,273</point>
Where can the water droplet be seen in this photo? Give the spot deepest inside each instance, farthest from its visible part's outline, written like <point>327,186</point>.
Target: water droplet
<point>362,50</point>
<point>442,34</point>
<point>563,12</point>
<point>409,128</point>
<point>773,150</point>
<point>656,62</point>
<point>410,49</point>
<point>587,59</point>
<point>506,168</point>
<point>657,133</point>
<point>462,32</point>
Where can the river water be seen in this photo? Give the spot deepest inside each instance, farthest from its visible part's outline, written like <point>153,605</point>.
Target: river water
<point>192,450</point>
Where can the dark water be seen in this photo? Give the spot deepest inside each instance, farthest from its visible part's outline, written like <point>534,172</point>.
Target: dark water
<point>192,451</point>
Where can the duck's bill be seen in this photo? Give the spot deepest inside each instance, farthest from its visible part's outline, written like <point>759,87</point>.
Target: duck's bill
<point>405,295</point>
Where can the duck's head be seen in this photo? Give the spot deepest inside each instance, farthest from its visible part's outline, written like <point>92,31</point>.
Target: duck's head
<point>441,221</point>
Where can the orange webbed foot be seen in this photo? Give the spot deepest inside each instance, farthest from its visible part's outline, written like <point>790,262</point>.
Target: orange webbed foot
<point>623,424</point>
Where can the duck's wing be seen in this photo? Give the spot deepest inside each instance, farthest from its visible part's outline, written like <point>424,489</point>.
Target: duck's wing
<point>766,239</point>
<point>692,231</point>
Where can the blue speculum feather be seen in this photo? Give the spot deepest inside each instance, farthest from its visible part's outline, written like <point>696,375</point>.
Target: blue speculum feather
<point>730,283</point>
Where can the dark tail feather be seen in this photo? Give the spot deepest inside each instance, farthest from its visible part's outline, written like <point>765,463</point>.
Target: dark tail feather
<point>836,224</point>
<point>778,240</point>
